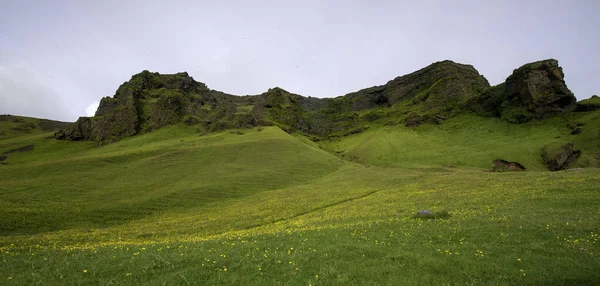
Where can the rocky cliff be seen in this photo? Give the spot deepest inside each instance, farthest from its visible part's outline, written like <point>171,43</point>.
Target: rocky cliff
<point>534,91</point>
<point>149,101</point>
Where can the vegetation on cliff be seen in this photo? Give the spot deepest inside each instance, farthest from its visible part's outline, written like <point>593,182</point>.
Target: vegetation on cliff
<point>278,188</point>
<point>441,90</point>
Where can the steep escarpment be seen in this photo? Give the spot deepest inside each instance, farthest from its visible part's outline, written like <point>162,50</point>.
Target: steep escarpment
<point>534,91</point>
<point>441,85</point>
<point>149,101</point>
<point>146,102</point>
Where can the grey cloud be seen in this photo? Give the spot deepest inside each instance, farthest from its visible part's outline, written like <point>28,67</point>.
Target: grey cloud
<point>22,92</point>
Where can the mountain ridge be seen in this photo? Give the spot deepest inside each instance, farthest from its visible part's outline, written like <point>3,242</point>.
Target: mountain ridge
<point>149,101</point>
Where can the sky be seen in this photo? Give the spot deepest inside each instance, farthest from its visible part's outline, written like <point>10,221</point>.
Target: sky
<point>59,58</point>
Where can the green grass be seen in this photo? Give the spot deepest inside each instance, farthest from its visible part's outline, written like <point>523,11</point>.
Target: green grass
<point>591,100</point>
<point>469,141</point>
<point>266,207</point>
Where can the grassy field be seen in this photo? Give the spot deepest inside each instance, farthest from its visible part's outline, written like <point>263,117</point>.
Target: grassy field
<point>262,207</point>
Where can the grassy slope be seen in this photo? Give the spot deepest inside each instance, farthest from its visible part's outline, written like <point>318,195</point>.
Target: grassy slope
<point>168,170</point>
<point>469,141</point>
<point>269,208</point>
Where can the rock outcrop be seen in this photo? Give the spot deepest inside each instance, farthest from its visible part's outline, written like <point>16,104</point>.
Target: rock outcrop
<point>146,102</point>
<point>441,86</point>
<point>560,158</point>
<point>500,165</point>
<point>534,91</point>
<point>149,101</point>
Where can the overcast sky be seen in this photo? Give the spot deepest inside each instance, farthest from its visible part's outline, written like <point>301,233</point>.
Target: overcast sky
<point>59,58</point>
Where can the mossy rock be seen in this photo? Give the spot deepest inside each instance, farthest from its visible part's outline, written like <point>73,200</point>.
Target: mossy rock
<point>533,91</point>
<point>559,156</point>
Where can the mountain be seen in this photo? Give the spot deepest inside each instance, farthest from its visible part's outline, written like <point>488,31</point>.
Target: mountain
<point>149,101</point>
<point>409,181</point>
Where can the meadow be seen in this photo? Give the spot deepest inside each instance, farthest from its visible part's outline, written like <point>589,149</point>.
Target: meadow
<point>262,207</point>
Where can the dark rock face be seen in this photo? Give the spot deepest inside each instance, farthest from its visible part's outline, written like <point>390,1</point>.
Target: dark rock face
<point>113,125</point>
<point>168,110</point>
<point>500,165</point>
<point>442,85</point>
<point>80,130</point>
<point>146,102</point>
<point>149,101</point>
<point>562,158</point>
<point>534,91</point>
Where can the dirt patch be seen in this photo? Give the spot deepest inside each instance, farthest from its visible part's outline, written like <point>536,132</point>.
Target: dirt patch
<point>500,165</point>
<point>22,149</point>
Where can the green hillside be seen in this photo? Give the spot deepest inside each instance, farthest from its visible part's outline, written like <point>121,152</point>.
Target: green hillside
<point>260,206</point>
<point>470,141</point>
<point>407,183</point>
<point>171,169</point>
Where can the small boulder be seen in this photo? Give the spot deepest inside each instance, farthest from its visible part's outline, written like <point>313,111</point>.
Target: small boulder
<point>424,213</point>
<point>3,157</point>
<point>427,214</point>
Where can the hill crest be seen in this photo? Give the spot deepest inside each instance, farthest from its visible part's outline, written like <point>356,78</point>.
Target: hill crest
<point>149,101</point>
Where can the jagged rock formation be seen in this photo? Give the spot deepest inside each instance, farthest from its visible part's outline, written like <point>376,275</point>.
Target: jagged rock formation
<point>441,90</point>
<point>146,102</point>
<point>442,86</point>
<point>534,91</point>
